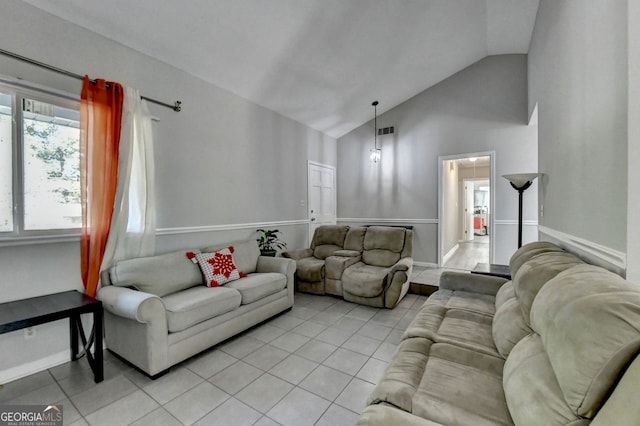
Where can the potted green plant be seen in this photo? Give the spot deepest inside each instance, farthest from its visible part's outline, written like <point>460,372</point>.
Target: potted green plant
<point>269,242</point>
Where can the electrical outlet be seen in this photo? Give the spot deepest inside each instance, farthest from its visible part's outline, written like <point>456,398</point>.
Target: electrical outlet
<point>29,333</point>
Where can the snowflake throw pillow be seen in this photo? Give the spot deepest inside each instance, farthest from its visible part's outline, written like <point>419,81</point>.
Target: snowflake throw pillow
<point>217,268</point>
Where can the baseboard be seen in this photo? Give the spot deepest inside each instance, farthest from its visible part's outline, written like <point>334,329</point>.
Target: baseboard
<point>449,254</point>
<point>594,253</point>
<point>36,366</point>
<point>425,264</point>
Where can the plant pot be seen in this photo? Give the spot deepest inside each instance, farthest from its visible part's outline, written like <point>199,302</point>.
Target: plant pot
<point>270,253</point>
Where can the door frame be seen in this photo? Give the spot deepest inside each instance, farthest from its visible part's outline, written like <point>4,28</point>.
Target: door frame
<point>335,195</point>
<point>442,219</point>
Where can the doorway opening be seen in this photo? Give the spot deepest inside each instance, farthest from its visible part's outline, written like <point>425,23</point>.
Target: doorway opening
<point>466,207</point>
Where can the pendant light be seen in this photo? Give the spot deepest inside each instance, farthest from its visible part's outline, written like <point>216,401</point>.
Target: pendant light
<point>375,152</point>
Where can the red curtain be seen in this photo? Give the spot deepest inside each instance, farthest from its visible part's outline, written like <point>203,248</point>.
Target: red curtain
<point>100,121</point>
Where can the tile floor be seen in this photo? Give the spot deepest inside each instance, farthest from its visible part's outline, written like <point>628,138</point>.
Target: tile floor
<point>314,365</point>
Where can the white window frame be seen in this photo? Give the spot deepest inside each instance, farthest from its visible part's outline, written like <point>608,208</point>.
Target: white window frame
<point>19,91</point>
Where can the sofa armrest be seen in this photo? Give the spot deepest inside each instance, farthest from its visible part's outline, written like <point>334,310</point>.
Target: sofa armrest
<point>347,253</point>
<point>335,265</point>
<point>132,304</point>
<point>298,254</point>
<point>276,264</point>
<point>384,415</point>
<point>473,283</point>
<point>405,264</point>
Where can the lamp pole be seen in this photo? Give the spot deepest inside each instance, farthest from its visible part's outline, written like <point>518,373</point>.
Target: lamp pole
<point>520,191</point>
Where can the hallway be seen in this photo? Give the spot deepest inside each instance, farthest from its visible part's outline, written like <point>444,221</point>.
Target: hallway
<point>470,253</point>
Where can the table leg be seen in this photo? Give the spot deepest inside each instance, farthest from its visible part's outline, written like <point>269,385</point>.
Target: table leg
<point>73,332</point>
<point>98,372</point>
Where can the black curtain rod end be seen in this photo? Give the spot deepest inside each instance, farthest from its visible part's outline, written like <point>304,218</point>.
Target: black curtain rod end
<point>177,107</point>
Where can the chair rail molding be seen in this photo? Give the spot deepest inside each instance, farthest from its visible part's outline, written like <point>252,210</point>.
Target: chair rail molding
<point>228,227</point>
<point>386,220</point>
<point>597,254</point>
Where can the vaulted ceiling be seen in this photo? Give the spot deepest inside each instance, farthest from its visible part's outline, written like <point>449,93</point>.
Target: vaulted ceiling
<point>320,62</point>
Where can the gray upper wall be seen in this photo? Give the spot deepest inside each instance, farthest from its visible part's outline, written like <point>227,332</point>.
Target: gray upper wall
<point>481,108</point>
<point>578,78</point>
<point>221,161</point>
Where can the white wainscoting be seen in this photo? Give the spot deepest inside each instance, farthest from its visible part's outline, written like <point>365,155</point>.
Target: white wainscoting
<point>594,253</point>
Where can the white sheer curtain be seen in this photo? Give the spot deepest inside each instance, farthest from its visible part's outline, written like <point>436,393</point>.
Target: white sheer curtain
<point>134,217</point>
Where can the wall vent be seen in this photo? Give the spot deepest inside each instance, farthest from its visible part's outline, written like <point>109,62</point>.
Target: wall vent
<point>386,130</point>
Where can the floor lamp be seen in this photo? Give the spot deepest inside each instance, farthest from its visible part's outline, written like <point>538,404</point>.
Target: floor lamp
<point>520,182</point>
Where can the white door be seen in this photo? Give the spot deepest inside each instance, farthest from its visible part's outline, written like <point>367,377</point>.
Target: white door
<point>468,209</point>
<point>322,196</point>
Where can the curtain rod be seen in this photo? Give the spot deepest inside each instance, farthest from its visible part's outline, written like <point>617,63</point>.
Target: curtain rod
<point>177,106</point>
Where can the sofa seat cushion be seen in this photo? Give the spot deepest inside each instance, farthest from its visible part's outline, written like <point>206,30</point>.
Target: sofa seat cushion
<point>310,269</point>
<point>197,304</point>
<point>467,329</point>
<point>465,300</point>
<point>364,280</point>
<point>256,286</point>
<point>444,383</point>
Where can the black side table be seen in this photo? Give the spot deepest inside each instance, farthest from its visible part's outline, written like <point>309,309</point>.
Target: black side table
<point>52,307</point>
<point>493,270</point>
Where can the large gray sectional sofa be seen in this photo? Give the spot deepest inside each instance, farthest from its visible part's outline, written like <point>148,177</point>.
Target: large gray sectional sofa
<point>158,312</point>
<point>557,345</point>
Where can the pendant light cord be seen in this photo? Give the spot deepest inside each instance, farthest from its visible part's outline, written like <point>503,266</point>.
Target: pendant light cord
<point>375,124</point>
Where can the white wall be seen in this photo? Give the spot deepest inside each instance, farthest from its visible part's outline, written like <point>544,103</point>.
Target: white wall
<point>481,108</point>
<point>220,162</point>
<point>578,77</point>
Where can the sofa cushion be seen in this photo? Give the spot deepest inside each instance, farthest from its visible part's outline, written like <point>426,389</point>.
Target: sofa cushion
<point>445,384</point>
<point>310,269</point>
<point>197,304</point>
<point>527,251</point>
<point>383,245</point>
<point>160,275</point>
<point>458,327</point>
<point>531,388</point>
<point>589,322</point>
<point>457,299</point>
<point>509,326</point>
<point>258,286</point>
<point>364,280</point>
<point>330,234</point>
<point>218,268</point>
<point>505,293</point>
<point>355,239</point>
<point>536,272</point>
<point>245,254</point>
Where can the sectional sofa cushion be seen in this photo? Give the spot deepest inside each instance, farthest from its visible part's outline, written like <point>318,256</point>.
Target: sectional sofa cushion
<point>527,251</point>
<point>536,272</point>
<point>456,326</point>
<point>331,238</point>
<point>160,275</point>
<point>383,245</point>
<point>310,269</point>
<point>197,304</point>
<point>365,280</point>
<point>586,357</point>
<point>444,383</point>
<point>509,326</point>
<point>257,286</point>
<point>466,300</point>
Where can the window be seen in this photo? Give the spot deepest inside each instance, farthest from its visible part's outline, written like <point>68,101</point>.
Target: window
<point>39,163</point>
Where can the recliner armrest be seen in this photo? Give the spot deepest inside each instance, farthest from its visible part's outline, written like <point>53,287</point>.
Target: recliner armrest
<point>403,264</point>
<point>133,304</point>
<point>347,253</point>
<point>473,283</point>
<point>298,254</point>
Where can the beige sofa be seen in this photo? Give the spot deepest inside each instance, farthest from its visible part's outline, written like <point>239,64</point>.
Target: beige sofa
<point>558,345</point>
<point>367,265</point>
<point>158,312</point>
